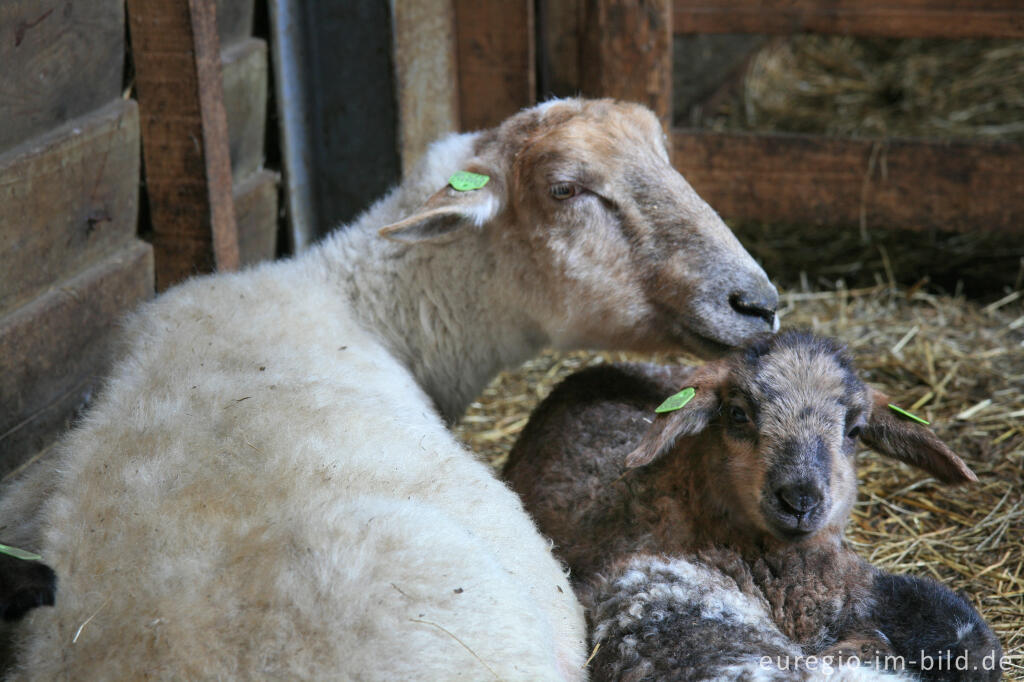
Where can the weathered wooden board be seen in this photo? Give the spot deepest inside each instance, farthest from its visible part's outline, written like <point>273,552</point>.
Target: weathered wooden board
<point>234,20</point>
<point>256,212</point>
<point>67,198</point>
<point>425,74</point>
<point>895,18</point>
<point>496,59</point>
<point>897,183</point>
<point>53,350</point>
<point>58,61</point>
<point>626,52</point>
<point>184,137</point>
<point>559,28</point>
<point>244,71</point>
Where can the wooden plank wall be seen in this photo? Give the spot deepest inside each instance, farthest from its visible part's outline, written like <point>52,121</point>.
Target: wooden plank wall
<point>816,180</point>
<point>70,264</point>
<point>176,51</point>
<point>496,60</point>
<point>626,52</point>
<point>204,111</point>
<point>425,74</point>
<point>245,65</point>
<point>909,184</point>
<point>892,18</point>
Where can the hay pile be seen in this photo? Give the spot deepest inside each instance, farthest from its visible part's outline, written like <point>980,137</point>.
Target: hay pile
<point>882,87</point>
<point>959,364</point>
<point>844,86</point>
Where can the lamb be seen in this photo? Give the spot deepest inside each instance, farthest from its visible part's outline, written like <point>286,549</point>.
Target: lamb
<point>266,486</point>
<point>762,456</point>
<point>756,477</point>
<point>817,612</point>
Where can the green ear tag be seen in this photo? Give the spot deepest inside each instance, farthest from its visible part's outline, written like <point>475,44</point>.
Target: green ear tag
<point>900,411</point>
<point>464,181</point>
<point>677,401</point>
<point>19,553</point>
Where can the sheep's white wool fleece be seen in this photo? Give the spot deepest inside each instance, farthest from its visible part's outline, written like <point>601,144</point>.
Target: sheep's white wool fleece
<point>263,490</point>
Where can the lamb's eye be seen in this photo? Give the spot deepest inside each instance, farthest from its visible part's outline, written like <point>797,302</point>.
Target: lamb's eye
<point>737,415</point>
<point>854,432</point>
<point>564,190</point>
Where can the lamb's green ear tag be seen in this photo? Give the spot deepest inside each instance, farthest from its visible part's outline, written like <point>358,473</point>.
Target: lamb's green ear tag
<point>903,413</point>
<point>19,553</point>
<point>464,181</point>
<point>677,401</point>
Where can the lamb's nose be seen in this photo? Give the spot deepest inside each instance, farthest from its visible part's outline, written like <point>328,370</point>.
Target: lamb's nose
<point>756,304</point>
<point>799,499</point>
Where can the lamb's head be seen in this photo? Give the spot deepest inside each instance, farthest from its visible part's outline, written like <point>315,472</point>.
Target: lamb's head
<point>596,238</point>
<point>775,429</point>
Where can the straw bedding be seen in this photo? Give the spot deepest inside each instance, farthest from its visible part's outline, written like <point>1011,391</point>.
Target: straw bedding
<point>935,320</point>
<point>955,362</point>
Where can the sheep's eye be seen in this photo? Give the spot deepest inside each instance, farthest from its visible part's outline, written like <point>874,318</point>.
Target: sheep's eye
<point>564,190</point>
<point>737,415</point>
<point>854,433</point>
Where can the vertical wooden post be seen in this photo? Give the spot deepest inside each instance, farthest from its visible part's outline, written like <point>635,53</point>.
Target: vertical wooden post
<point>559,25</point>
<point>426,79</point>
<point>496,60</point>
<point>184,137</point>
<point>626,52</point>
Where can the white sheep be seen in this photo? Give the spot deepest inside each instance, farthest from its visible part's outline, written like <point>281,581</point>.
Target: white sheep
<point>265,486</point>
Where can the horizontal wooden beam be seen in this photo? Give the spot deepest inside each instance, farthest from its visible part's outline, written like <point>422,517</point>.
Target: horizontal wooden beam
<point>893,18</point>
<point>256,215</point>
<point>908,184</point>
<point>68,199</point>
<point>55,349</point>
<point>58,61</point>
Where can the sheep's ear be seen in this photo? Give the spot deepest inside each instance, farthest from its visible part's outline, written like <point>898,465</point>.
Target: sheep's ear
<point>895,436</point>
<point>445,214</point>
<point>688,420</point>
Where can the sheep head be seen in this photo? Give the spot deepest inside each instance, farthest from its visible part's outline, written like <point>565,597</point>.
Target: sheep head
<point>596,237</point>
<point>776,428</point>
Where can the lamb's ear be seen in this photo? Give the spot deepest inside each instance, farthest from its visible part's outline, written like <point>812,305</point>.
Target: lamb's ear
<point>688,420</point>
<point>445,214</point>
<point>916,444</point>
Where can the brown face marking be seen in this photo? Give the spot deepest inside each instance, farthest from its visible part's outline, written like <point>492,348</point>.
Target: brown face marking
<point>634,258</point>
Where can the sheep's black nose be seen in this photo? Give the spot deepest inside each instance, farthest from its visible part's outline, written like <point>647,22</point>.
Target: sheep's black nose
<point>755,304</point>
<point>800,498</point>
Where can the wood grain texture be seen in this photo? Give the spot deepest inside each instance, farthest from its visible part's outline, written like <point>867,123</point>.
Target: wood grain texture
<point>244,70</point>
<point>626,52</point>
<point>67,199</point>
<point>560,23</point>
<point>58,60</point>
<point>496,53</point>
<point>256,211</point>
<point>53,350</point>
<point>894,18</point>
<point>907,184</point>
<point>425,74</point>
<point>184,137</point>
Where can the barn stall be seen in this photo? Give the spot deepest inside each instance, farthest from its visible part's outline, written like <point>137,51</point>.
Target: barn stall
<point>872,166</point>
